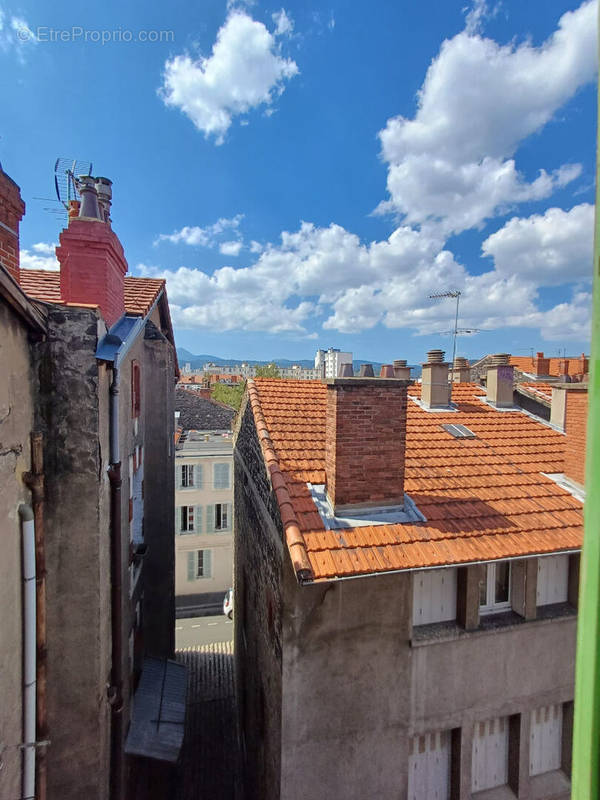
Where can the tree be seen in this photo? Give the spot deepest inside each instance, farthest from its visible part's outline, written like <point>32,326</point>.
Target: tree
<point>230,395</point>
<point>269,371</point>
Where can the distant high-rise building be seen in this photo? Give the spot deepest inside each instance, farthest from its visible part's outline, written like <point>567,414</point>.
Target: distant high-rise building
<point>328,362</point>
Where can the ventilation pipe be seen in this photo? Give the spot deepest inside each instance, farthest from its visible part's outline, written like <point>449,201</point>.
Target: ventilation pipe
<point>29,647</point>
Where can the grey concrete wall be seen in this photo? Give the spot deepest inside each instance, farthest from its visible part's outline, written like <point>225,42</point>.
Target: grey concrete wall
<point>16,423</point>
<point>346,688</point>
<point>258,558</point>
<point>159,494</point>
<point>356,686</point>
<point>73,393</point>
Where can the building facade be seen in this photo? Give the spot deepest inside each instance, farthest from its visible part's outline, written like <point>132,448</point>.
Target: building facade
<point>101,387</point>
<point>406,588</point>
<point>203,519</point>
<point>328,362</point>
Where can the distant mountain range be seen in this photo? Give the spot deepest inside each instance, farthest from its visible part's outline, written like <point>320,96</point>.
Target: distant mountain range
<point>198,361</point>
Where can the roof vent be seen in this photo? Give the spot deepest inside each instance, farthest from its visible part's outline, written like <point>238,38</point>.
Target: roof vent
<point>435,356</point>
<point>401,370</point>
<point>459,431</point>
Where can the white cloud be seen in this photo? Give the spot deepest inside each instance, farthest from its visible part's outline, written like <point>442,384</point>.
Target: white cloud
<point>15,34</point>
<point>551,248</point>
<point>453,161</point>
<point>256,247</point>
<point>284,23</point>
<point>244,71</point>
<point>230,248</point>
<point>41,256</point>
<point>202,237</point>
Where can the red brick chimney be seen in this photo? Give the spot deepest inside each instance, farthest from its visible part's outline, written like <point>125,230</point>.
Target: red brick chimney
<point>584,364</point>
<point>541,365</point>
<point>92,262</point>
<point>576,408</point>
<point>12,209</point>
<point>365,438</point>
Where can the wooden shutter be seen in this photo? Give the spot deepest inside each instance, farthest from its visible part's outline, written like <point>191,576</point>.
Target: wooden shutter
<point>198,477</point>
<point>207,564</point>
<point>197,519</point>
<point>227,507</point>
<point>429,767</point>
<point>545,739</point>
<point>191,565</point>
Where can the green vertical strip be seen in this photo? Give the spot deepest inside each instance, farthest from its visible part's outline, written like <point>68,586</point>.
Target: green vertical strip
<point>586,729</point>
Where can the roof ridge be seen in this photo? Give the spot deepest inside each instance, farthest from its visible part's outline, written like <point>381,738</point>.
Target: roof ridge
<point>294,539</point>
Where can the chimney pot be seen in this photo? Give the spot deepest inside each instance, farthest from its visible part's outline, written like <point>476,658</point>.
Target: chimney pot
<point>401,370</point>
<point>89,198</point>
<point>387,371</point>
<point>400,362</point>
<point>366,371</point>
<point>435,389</point>
<point>345,371</point>
<point>104,190</point>
<point>435,356</point>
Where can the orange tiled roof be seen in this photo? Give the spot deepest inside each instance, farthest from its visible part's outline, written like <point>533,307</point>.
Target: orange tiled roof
<point>139,293</point>
<point>541,390</point>
<point>526,364</point>
<point>483,498</point>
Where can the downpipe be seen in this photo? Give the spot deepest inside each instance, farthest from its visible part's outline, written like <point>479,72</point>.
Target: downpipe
<point>29,651</point>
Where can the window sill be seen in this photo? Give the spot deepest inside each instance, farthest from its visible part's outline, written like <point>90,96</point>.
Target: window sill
<point>550,786</point>
<point>437,632</point>
<point>497,793</point>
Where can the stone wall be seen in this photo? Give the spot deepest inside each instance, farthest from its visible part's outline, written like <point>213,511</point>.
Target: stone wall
<point>259,553</point>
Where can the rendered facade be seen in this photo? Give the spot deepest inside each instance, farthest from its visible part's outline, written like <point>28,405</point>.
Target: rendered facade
<point>411,638</point>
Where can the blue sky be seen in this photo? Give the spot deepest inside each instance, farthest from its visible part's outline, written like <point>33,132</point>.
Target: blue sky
<point>306,176</point>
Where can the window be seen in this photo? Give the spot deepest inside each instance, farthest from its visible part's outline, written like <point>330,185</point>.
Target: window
<point>199,564</point>
<point>221,476</point>
<point>221,518</point>
<point>545,740</point>
<point>187,519</point>
<point>489,765</point>
<point>186,476</point>
<point>429,766</point>
<point>494,590</point>
<point>552,580</point>
<point>136,400</point>
<point>434,596</point>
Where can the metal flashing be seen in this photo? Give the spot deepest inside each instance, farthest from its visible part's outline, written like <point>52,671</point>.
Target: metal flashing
<point>379,515</point>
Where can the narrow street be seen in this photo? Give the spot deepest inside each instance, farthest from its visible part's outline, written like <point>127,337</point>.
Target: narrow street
<point>210,763</point>
<point>198,631</point>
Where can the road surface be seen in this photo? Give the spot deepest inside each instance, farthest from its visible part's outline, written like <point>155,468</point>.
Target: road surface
<point>195,631</point>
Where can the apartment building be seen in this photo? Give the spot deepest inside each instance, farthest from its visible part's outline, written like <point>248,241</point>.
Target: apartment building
<point>203,519</point>
<point>87,394</point>
<point>299,373</point>
<point>329,362</point>
<point>406,588</point>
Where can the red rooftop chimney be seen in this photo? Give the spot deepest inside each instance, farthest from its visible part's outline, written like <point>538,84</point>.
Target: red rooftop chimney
<point>541,365</point>
<point>365,435</point>
<point>12,209</point>
<point>576,409</point>
<point>92,262</point>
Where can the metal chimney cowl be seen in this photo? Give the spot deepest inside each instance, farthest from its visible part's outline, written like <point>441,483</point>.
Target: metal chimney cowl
<point>89,198</point>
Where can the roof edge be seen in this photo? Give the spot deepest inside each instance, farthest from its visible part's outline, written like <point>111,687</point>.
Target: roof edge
<point>294,539</point>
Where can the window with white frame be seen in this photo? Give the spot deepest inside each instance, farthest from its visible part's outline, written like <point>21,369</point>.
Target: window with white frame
<point>489,765</point>
<point>552,580</point>
<point>189,476</point>
<point>429,766</point>
<point>434,596</point>
<point>494,589</point>
<point>187,519</point>
<point>545,739</point>
<point>221,476</point>
<point>199,564</point>
<point>222,516</point>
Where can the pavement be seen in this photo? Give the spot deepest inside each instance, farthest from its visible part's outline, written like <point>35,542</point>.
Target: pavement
<point>196,631</point>
<point>210,765</point>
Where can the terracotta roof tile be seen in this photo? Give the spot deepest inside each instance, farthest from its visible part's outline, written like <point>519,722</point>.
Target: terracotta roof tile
<point>483,498</point>
<point>140,294</point>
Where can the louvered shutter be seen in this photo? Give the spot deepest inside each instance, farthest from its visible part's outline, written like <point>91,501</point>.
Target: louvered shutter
<point>227,507</point>
<point>191,566</point>
<point>198,476</point>
<point>197,519</point>
<point>210,519</point>
<point>207,564</point>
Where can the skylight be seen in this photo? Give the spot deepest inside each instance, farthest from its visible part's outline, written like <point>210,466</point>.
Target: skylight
<point>459,431</point>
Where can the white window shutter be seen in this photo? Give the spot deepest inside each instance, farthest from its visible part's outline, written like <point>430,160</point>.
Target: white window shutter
<point>198,519</point>
<point>208,563</point>
<point>210,518</point>
<point>198,476</point>
<point>228,512</point>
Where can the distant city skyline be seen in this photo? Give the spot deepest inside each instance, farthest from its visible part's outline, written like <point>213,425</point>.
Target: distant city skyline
<point>308,176</point>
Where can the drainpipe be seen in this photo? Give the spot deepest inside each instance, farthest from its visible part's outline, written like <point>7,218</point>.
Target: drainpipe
<point>116,570</point>
<point>29,683</point>
<point>34,480</point>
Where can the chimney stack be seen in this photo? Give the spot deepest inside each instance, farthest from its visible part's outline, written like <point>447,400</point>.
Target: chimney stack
<point>541,365</point>
<point>366,371</point>
<point>435,389</point>
<point>92,262</point>
<point>575,423</point>
<point>461,371</point>
<point>365,436</point>
<point>387,371</point>
<point>345,371</point>
<point>401,370</point>
<point>500,379</point>
<point>12,209</point>
<point>563,368</point>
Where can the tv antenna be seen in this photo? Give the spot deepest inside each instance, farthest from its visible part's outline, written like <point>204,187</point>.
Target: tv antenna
<point>66,174</point>
<point>456,331</point>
